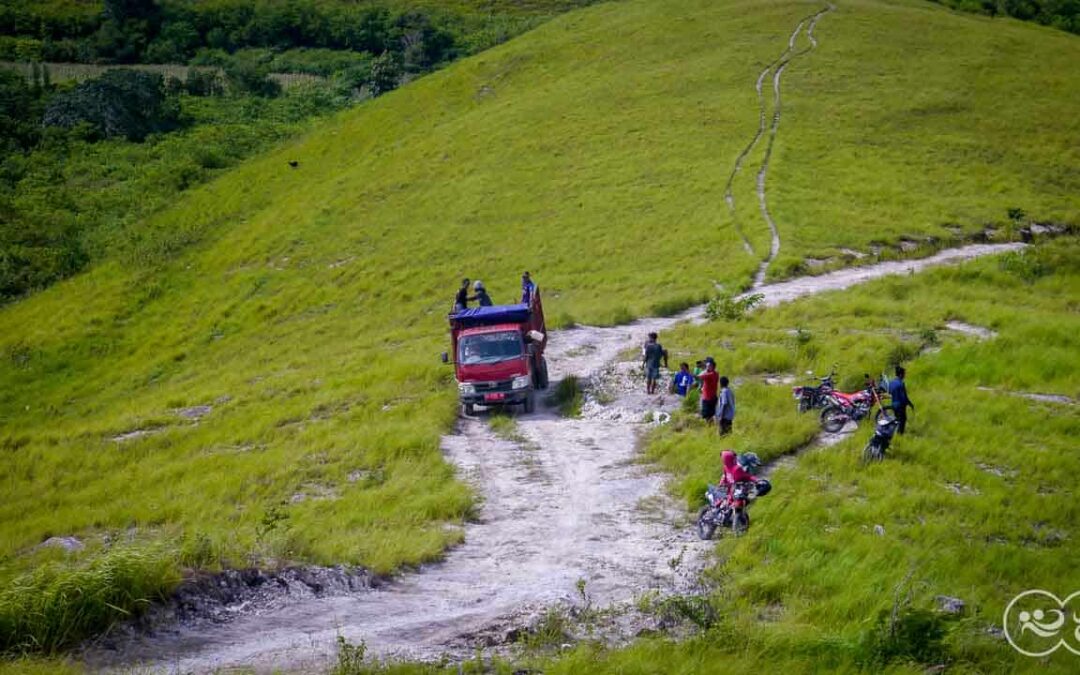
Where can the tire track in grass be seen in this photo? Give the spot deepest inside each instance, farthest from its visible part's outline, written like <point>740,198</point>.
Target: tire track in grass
<point>777,69</point>
<point>729,194</point>
<point>763,202</point>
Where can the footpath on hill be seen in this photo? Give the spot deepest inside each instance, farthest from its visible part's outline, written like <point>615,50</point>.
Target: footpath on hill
<point>567,515</point>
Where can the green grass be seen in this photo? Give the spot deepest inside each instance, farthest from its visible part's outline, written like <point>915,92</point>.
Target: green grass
<point>803,588</point>
<point>306,306</point>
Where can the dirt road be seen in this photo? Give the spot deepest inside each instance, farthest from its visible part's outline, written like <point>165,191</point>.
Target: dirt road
<point>562,501</point>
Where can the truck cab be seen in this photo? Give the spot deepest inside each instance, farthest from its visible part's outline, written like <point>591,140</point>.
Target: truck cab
<point>498,355</point>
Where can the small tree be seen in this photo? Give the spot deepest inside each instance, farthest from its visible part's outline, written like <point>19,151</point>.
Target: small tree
<point>121,102</point>
<point>385,73</point>
<point>731,307</point>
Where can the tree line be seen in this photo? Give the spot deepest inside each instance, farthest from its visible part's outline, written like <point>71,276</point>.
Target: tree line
<point>176,31</point>
<point>1061,14</point>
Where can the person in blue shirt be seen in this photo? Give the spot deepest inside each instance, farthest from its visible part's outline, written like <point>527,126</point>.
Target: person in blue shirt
<point>528,288</point>
<point>683,380</point>
<point>899,399</point>
<point>725,410</point>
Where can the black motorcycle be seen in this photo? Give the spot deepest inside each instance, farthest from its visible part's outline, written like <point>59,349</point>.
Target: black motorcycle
<point>729,510</point>
<point>812,398</point>
<point>884,431</point>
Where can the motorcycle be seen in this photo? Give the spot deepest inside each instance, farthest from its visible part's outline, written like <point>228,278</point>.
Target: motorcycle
<point>728,508</point>
<point>812,398</point>
<point>879,442</point>
<point>842,408</point>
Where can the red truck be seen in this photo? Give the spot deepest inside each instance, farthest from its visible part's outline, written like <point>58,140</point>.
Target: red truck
<point>499,354</point>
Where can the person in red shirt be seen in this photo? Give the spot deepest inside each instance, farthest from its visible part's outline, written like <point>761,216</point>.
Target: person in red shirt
<point>710,381</point>
<point>738,468</point>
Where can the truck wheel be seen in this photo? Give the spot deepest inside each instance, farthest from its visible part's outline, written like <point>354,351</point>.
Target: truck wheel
<point>468,409</point>
<point>542,374</point>
<point>530,403</point>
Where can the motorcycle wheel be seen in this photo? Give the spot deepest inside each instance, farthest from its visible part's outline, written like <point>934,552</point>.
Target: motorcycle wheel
<point>873,452</point>
<point>833,419</point>
<point>705,525</point>
<point>889,413</point>
<point>530,403</point>
<point>740,523</point>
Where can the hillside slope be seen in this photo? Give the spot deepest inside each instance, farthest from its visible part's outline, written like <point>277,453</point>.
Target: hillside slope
<point>305,306</point>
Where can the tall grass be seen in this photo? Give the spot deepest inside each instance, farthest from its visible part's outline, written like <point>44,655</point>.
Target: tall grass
<point>56,606</point>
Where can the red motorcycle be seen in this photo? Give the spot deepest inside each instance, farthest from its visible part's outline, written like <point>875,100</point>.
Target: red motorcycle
<point>842,408</point>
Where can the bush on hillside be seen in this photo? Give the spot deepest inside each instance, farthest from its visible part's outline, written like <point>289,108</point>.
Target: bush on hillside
<point>730,307</point>
<point>121,103</point>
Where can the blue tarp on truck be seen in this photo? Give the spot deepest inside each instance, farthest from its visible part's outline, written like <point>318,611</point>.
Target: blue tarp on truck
<point>489,316</point>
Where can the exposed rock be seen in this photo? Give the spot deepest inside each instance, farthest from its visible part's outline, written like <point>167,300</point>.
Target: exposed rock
<point>950,605</point>
<point>971,329</point>
<point>195,412</point>
<point>135,433</point>
<point>879,530</point>
<point>66,543</point>
<point>961,489</point>
<point>1001,472</point>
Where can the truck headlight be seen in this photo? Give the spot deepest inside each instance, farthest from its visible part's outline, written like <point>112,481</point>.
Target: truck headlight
<point>466,388</point>
<point>521,382</point>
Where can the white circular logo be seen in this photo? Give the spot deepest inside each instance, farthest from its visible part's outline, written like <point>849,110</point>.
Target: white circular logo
<point>1037,622</point>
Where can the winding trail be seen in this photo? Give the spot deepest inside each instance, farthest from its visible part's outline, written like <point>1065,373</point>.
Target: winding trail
<point>564,501</point>
<point>777,69</point>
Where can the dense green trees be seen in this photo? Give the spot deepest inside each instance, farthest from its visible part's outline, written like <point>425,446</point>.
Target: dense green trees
<point>174,31</point>
<point>1062,14</point>
<point>127,103</point>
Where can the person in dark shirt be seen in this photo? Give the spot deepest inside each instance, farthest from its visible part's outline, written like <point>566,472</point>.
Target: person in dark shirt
<point>652,354</point>
<point>725,410</point>
<point>461,301</point>
<point>710,381</point>
<point>481,296</point>
<point>899,399</point>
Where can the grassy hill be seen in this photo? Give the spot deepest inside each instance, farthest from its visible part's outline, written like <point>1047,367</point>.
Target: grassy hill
<point>305,306</point>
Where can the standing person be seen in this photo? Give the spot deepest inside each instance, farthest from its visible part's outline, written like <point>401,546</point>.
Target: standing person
<point>481,294</point>
<point>725,410</point>
<point>651,355</point>
<point>528,288</point>
<point>461,301</point>
<point>709,381</point>
<point>900,400</point>
<point>682,381</point>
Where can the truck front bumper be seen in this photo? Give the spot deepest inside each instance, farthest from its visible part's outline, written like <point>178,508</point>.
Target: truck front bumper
<point>496,399</point>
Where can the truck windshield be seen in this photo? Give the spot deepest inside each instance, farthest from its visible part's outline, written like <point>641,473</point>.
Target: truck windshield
<point>489,347</point>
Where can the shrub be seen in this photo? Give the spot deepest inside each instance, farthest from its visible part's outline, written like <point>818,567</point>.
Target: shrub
<point>245,77</point>
<point>566,396</point>
<point>905,634</point>
<point>54,607</point>
<point>121,102</point>
<point>1023,264</point>
<point>730,306</point>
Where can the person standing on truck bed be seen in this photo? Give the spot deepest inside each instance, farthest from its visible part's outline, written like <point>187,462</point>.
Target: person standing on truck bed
<point>462,300</point>
<point>482,296</point>
<point>527,288</point>
<point>652,354</point>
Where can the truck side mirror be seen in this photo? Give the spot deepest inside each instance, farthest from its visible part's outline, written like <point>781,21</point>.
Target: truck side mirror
<point>445,357</point>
